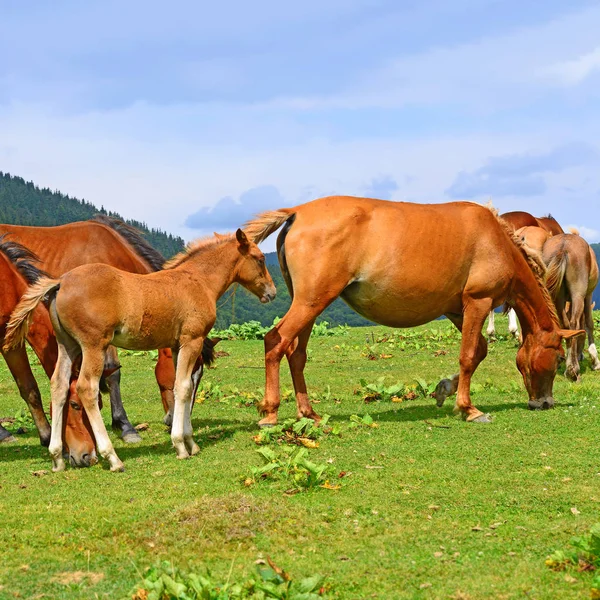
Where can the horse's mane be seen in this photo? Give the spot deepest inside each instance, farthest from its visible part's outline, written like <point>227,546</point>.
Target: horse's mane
<point>535,262</point>
<point>134,238</point>
<point>22,259</point>
<point>196,247</point>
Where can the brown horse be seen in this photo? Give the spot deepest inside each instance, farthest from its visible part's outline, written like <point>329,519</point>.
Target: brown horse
<point>517,220</point>
<point>572,277</point>
<point>94,306</point>
<point>385,260</point>
<point>18,270</point>
<point>110,241</point>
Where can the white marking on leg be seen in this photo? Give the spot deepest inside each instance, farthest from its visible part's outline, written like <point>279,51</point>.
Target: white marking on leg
<point>59,388</point>
<point>594,354</point>
<point>491,328</point>
<point>177,429</point>
<point>513,324</point>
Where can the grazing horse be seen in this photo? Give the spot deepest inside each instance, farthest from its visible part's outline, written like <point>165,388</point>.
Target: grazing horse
<point>571,278</point>
<point>369,253</point>
<point>517,220</point>
<point>110,241</point>
<point>94,306</point>
<point>18,270</point>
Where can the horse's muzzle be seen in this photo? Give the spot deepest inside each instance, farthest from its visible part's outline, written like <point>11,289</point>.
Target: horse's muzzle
<point>268,296</point>
<point>85,460</point>
<point>541,403</point>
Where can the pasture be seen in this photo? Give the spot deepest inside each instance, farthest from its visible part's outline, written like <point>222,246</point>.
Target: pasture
<point>423,505</point>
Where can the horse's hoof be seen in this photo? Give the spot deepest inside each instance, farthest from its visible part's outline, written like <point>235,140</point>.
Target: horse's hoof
<point>118,468</point>
<point>9,439</point>
<point>195,449</point>
<point>481,419</point>
<point>266,425</point>
<point>133,437</point>
<point>183,456</point>
<point>58,465</point>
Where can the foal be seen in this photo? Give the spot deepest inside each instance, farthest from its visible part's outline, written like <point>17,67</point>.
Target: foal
<point>94,306</point>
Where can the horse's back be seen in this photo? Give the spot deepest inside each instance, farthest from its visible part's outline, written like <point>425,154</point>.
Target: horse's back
<point>65,247</point>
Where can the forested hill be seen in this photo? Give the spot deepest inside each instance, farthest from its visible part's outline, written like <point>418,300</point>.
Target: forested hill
<point>23,203</point>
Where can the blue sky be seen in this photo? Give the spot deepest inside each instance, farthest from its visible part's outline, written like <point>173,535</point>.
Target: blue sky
<point>193,116</point>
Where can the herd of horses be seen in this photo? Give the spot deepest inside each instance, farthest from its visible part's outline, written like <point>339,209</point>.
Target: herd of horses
<point>76,292</point>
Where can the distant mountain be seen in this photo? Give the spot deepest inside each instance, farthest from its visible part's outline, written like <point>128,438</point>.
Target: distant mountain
<point>23,203</point>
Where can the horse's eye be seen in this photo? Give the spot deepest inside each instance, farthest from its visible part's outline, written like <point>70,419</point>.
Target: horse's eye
<point>75,406</point>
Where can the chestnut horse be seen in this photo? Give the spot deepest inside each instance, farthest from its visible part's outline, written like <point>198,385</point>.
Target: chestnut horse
<point>94,306</point>
<point>571,278</point>
<point>517,220</point>
<point>18,270</point>
<point>372,253</point>
<point>110,241</point>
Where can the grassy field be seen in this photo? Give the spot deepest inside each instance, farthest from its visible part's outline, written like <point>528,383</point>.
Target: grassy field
<point>429,506</point>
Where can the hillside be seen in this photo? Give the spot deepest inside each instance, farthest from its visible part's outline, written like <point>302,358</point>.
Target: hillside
<point>23,203</point>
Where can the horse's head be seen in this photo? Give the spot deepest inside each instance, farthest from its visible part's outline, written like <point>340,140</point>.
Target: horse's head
<point>538,359</point>
<point>78,437</point>
<point>252,271</point>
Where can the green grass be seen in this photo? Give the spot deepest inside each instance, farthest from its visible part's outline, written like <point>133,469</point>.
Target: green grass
<point>455,510</point>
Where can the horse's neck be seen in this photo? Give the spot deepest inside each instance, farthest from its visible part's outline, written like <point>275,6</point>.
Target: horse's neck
<point>529,302</point>
<point>216,266</point>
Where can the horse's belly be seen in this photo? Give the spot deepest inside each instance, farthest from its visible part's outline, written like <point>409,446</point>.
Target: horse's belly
<point>399,308</point>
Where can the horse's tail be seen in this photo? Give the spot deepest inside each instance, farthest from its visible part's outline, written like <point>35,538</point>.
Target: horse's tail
<point>266,223</point>
<point>21,318</point>
<point>555,272</point>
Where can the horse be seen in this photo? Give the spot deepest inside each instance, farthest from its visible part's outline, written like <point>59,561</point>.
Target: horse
<point>105,240</point>
<point>18,270</point>
<point>386,261</point>
<point>517,220</point>
<point>572,277</point>
<point>94,306</point>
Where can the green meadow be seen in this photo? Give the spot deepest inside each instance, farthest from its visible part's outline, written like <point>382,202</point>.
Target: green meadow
<point>407,502</point>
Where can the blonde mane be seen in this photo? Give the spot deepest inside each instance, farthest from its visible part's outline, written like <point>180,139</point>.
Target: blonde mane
<point>196,247</point>
<point>534,260</point>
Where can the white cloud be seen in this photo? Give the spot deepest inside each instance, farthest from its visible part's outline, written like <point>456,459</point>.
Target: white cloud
<point>573,72</point>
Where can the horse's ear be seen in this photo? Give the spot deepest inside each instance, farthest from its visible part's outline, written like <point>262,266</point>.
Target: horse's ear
<point>567,334</point>
<point>242,239</point>
<point>218,235</point>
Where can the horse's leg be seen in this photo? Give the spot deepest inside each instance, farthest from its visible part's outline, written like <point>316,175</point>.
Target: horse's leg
<point>298,318</point>
<point>473,350</point>
<point>589,325</point>
<point>181,432</point>
<point>59,388</point>
<point>513,324</point>
<point>88,382</point>
<point>20,369</point>
<point>120,420</point>
<point>165,377</point>
<point>296,355</point>
<point>576,317</point>
<point>491,328</point>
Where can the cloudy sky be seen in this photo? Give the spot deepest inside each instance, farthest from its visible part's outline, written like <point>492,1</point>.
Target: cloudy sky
<point>193,116</point>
